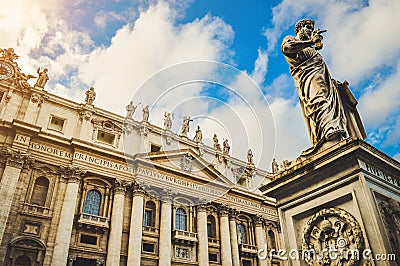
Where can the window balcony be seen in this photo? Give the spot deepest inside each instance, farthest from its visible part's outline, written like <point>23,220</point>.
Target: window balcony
<point>92,221</point>
<point>248,249</point>
<point>184,237</point>
<point>213,242</point>
<point>36,210</point>
<point>150,230</point>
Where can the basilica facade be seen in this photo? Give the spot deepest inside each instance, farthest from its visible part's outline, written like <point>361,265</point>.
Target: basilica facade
<point>84,186</point>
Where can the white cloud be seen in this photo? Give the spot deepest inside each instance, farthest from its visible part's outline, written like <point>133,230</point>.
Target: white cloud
<point>154,42</point>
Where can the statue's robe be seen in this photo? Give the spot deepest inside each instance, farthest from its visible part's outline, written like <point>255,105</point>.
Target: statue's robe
<point>328,105</point>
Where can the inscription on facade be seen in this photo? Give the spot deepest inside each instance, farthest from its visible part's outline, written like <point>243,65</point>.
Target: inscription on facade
<point>102,162</point>
<point>49,150</point>
<point>382,175</point>
<point>177,181</point>
<point>203,188</point>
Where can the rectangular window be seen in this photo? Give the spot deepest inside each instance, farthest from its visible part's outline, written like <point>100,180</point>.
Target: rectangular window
<point>88,239</point>
<point>105,137</point>
<point>182,253</point>
<point>148,247</point>
<point>155,148</point>
<point>213,257</point>
<point>247,263</point>
<point>56,123</point>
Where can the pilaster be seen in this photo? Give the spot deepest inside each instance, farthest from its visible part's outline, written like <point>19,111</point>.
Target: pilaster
<point>114,240</point>
<point>73,176</point>
<point>202,235</point>
<point>226,252</point>
<point>234,238</point>
<point>165,227</point>
<point>15,161</point>
<point>136,228</point>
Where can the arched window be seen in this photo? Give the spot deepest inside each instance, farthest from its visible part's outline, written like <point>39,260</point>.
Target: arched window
<point>149,214</point>
<point>23,261</point>
<point>211,228</point>
<point>92,203</point>
<point>242,232</point>
<point>180,218</point>
<point>39,192</point>
<point>271,240</point>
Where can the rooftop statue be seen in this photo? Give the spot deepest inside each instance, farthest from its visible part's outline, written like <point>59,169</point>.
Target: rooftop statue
<point>130,109</point>
<point>90,96</point>
<point>145,113</point>
<point>43,78</point>
<point>167,121</point>
<point>329,108</point>
<point>198,137</point>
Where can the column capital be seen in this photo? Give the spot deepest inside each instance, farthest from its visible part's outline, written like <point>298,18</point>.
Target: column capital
<point>201,208</point>
<point>16,159</point>
<point>233,214</point>
<point>167,195</point>
<point>224,210</point>
<point>259,220</point>
<point>72,174</point>
<point>120,186</point>
<point>138,189</point>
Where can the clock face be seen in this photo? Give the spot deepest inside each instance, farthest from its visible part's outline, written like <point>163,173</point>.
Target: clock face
<point>6,70</point>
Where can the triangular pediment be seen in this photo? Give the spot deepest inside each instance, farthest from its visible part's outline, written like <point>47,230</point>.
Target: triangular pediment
<point>187,163</point>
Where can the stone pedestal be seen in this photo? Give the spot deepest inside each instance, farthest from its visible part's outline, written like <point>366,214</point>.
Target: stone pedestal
<point>340,200</point>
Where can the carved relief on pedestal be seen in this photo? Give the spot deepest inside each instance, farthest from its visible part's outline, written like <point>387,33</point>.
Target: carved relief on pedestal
<point>332,236</point>
<point>390,211</point>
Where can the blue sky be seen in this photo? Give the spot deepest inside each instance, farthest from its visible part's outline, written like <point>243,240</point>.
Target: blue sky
<point>116,46</point>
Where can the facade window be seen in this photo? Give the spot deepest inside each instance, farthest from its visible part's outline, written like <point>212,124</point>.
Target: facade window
<point>149,214</point>
<point>105,137</point>
<point>180,218</point>
<point>92,203</point>
<point>247,263</point>
<point>39,192</point>
<point>213,257</point>
<point>148,247</point>
<point>155,148</point>
<point>56,123</point>
<point>182,253</point>
<point>271,240</point>
<point>23,261</point>
<point>242,232</point>
<point>88,239</point>
<point>211,228</point>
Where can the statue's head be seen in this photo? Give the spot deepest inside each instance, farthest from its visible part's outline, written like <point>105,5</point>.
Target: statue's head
<point>301,23</point>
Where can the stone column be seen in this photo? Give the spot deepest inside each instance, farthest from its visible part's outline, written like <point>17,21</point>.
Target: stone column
<point>226,252</point>
<point>165,228</point>
<point>136,227</point>
<point>73,175</point>
<point>15,161</point>
<point>202,235</point>
<point>234,238</point>
<point>260,239</point>
<point>117,217</point>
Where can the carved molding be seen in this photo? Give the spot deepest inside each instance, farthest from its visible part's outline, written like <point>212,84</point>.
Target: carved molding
<point>332,229</point>
<point>72,173</point>
<point>37,99</point>
<point>224,210</point>
<point>167,195</point>
<point>186,163</point>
